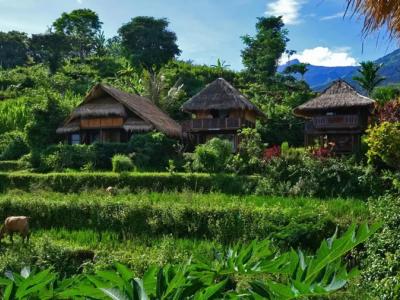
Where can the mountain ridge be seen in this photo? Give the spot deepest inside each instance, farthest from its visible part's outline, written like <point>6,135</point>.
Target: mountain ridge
<point>319,77</point>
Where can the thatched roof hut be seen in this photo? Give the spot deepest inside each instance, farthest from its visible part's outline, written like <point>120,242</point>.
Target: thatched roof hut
<point>338,96</point>
<point>220,95</point>
<point>139,114</point>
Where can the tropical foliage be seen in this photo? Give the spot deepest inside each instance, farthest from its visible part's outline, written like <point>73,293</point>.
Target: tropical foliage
<point>267,274</point>
<point>368,76</point>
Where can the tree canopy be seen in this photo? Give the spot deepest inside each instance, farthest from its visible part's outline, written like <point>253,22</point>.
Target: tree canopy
<point>13,49</point>
<point>263,51</point>
<point>82,26</point>
<point>148,43</point>
<point>50,48</point>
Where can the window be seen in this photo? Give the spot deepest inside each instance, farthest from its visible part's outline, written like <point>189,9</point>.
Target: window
<point>75,139</point>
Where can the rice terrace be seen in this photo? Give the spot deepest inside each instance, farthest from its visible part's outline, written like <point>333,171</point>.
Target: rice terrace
<point>199,150</point>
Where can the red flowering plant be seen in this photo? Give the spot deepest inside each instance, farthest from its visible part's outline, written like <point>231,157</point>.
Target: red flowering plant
<point>271,152</point>
<point>389,112</point>
<point>323,151</point>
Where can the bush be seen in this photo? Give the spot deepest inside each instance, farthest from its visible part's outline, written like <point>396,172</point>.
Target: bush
<point>384,144</point>
<point>152,151</point>
<point>248,159</point>
<point>121,163</point>
<point>60,157</point>
<point>13,145</point>
<point>13,165</point>
<point>381,274</point>
<point>134,182</point>
<point>103,153</point>
<point>212,157</point>
<point>302,175</point>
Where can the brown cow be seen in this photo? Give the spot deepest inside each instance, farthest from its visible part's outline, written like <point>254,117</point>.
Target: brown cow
<point>17,224</point>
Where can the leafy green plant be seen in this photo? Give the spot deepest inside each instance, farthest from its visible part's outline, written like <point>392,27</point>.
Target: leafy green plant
<point>248,159</point>
<point>380,263</point>
<point>267,274</point>
<point>122,163</point>
<point>13,145</point>
<point>383,143</point>
<point>212,157</point>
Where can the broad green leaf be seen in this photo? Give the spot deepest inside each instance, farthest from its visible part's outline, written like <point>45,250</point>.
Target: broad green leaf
<point>114,294</point>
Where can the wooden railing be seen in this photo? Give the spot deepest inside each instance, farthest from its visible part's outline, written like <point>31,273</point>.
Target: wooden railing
<point>216,124</point>
<point>336,122</point>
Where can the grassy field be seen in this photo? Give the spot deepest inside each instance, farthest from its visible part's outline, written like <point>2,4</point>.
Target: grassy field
<point>77,232</point>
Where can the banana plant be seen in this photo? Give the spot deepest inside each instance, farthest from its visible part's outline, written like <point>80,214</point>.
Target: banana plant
<point>266,274</point>
<point>319,274</point>
<point>27,285</point>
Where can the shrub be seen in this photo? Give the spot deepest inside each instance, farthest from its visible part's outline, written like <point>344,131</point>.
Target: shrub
<point>121,163</point>
<point>384,144</point>
<point>389,112</point>
<point>103,153</point>
<point>330,177</point>
<point>213,156</point>
<point>13,145</point>
<point>62,156</point>
<point>134,182</point>
<point>13,165</point>
<point>381,274</point>
<point>152,151</point>
<point>384,94</point>
<point>248,158</point>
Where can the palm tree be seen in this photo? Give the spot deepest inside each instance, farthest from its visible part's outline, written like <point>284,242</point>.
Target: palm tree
<point>220,66</point>
<point>378,14</point>
<point>369,76</point>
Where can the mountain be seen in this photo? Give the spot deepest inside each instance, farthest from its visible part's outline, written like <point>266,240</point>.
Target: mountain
<point>319,77</point>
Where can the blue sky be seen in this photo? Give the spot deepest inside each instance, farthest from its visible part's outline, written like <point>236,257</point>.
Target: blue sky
<point>211,29</point>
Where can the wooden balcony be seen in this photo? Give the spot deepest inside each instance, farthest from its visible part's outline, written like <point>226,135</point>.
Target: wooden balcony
<point>341,122</point>
<point>337,121</point>
<point>216,124</point>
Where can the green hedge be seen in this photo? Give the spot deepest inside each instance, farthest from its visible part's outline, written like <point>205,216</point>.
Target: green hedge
<point>184,216</point>
<point>76,182</point>
<point>12,165</point>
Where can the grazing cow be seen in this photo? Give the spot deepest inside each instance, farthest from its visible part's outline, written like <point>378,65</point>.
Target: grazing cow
<point>111,190</point>
<point>18,224</point>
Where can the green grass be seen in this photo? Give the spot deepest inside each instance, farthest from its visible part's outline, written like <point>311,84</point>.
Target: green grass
<point>146,229</point>
<point>66,251</point>
<point>291,222</point>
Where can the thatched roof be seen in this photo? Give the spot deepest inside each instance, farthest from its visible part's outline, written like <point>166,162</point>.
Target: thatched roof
<point>69,127</point>
<point>220,95</point>
<point>99,110</point>
<point>339,95</point>
<point>135,125</point>
<point>140,106</point>
<point>378,14</point>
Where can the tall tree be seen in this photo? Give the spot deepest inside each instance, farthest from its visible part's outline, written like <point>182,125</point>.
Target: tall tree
<point>50,48</point>
<point>148,43</point>
<point>13,49</point>
<point>262,52</point>
<point>369,76</point>
<point>83,27</point>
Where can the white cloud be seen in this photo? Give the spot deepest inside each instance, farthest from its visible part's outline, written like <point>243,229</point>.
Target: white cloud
<point>288,9</point>
<point>332,17</point>
<point>323,56</point>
